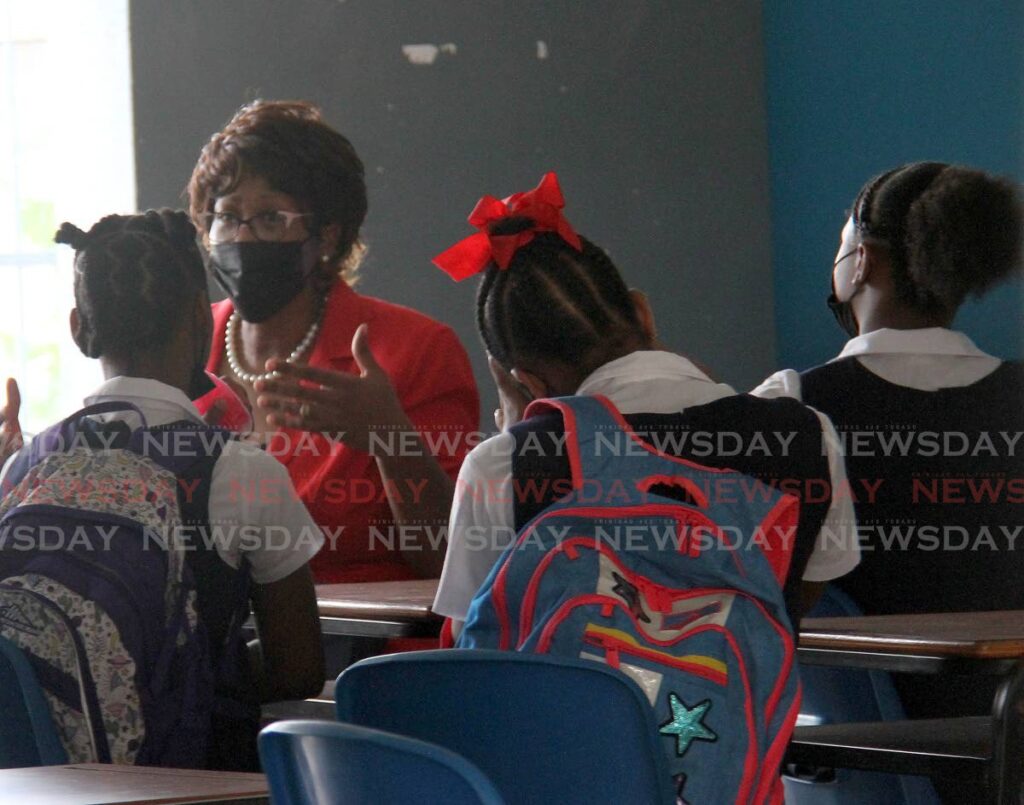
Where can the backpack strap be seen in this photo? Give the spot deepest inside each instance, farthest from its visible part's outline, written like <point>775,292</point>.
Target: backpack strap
<point>75,429</point>
<point>223,603</point>
<point>608,460</point>
<point>223,592</point>
<point>102,408</point>
<point>62,436</point>
<point>222,595</point>
<point>583,417</point>
<point>600,442</point>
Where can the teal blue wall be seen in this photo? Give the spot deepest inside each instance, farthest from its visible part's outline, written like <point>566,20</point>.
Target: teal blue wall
<point>857,88</point>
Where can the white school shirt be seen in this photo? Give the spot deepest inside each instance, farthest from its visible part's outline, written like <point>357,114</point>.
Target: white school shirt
<point>642,382</point>
<point>927,360</point>
<point>253,505</point>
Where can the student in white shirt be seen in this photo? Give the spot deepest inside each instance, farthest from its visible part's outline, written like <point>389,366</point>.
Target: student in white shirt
<point>920,240</point>
<point>142,310</point>
<point>557,319</point>
<point>933,422</point>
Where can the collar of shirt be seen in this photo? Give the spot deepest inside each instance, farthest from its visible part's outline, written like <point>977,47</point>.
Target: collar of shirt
<point>655,382</point>
<point>929,359</point>
<point>927,341</point>
<point>160,403</point>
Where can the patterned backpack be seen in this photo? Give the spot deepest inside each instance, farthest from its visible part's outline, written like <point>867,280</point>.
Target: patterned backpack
<point>685,598</point>
<point>97,584</point>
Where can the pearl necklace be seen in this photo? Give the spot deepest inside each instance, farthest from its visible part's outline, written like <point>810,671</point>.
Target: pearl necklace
<point>252,377</point>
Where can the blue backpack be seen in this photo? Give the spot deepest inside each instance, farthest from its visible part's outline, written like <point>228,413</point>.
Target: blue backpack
<point>98,553</point>
<point>685,598</point>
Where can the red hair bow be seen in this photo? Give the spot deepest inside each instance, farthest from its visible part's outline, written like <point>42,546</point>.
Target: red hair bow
<point>543,205</point>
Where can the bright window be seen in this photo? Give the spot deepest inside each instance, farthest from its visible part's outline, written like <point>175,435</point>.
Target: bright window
<point>66,153</point>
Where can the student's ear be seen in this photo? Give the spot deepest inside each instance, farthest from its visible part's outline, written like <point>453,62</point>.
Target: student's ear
<point>537,387</point>
<point>871,259</point>
<point>644,314</point>
<point>859,266</point>
<point>75,322</point>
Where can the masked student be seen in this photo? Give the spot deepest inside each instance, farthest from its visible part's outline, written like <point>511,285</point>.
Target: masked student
<point>931,422</point>
<point>170,529</point>
<point>608,524</point>
<point>557,319</point>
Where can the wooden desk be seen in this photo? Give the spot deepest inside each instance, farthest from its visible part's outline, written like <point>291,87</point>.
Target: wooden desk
<point>357,620</point>
<point>963,643</point>
<point>98,784</point>
<point>379,609</point>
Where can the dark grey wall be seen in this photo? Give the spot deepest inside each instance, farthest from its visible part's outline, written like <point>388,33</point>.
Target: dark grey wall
<point>651,112</point>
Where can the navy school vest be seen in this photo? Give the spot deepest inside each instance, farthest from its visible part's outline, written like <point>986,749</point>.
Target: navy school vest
<point>943,529</point>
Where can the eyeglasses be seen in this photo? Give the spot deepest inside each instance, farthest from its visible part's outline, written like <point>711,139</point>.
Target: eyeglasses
<point>271,225</point>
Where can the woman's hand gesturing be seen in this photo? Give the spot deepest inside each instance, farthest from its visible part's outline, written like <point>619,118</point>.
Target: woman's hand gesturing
<point>347,406</point>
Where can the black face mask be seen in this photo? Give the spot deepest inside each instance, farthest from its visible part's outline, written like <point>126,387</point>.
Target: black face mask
<point>843,311</point>
<point>262,277</point>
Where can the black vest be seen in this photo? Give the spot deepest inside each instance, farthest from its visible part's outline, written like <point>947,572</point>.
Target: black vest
<point>942,529</point>
<point>776,441</point>
<point>950,484</point>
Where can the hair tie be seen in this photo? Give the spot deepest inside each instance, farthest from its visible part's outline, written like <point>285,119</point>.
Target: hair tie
<point>542,205</point>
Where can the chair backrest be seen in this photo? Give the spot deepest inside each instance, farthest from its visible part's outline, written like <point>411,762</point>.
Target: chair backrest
<point>543,729</point>
<point>27,733</point>
<point>324,763</point>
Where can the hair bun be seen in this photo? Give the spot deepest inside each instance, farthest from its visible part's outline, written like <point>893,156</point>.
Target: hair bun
<point>964,235</point>
<point>72,236</point>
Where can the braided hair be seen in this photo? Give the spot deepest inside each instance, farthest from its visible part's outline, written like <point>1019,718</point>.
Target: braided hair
<point>554,304</point>
<point>135,275</point>
<point>951,231</point>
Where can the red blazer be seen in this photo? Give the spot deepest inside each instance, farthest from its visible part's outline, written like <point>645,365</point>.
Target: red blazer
<point>341,486</point>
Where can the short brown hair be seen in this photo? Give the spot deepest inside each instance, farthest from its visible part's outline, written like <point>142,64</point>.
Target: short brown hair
<point>289,145</point>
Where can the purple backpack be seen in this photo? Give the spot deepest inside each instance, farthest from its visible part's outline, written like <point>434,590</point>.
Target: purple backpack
<point>97,523</point>
<point>685,598</point>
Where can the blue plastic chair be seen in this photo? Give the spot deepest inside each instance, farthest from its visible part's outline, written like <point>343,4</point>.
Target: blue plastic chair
<point>323,763</point>
<point>543,729</point>
<point>27,733</point>
<point>840,695</point>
